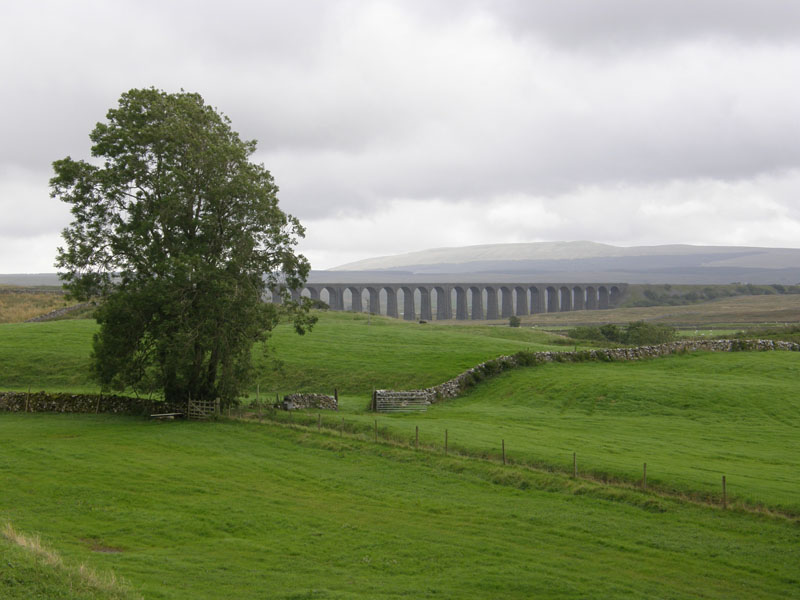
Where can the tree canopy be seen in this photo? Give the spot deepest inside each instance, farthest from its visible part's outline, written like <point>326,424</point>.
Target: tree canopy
<point>180,235</point>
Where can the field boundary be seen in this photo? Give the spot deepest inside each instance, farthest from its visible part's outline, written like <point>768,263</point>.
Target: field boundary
<point>471,377</point>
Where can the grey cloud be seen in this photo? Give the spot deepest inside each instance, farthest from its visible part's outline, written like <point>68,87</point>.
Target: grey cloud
<point>625,23</point>
<point>356,104</point>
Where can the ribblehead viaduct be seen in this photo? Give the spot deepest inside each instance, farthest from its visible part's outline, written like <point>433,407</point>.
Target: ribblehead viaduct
<point>462,301</point>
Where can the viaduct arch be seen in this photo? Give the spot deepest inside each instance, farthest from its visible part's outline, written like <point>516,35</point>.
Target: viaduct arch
<point>475,301</point>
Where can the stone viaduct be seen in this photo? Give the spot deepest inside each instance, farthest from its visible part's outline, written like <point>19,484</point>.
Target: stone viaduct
<point>461,301</point>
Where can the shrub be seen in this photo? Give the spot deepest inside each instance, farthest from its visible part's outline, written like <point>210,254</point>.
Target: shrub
<point>640,333</point>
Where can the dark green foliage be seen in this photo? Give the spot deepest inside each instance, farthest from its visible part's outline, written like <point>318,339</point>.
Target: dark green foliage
<point>526,358</point>
<point>786,333</point>
<point>180,235</point>
<point>611,332</point>
<point>666,295</point>
<point>637,333</point>
<point>640,333</point>
<point>514,321</point>
<point>587,333</point>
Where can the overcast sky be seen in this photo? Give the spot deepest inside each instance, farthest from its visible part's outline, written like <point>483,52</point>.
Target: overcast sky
<point>402,125</point>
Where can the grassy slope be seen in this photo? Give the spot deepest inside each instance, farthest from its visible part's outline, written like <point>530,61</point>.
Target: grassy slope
<point>349,351</point>
<point>36,575</point>
<point>52,356</point>
<point>733,414</point>
<point>211,510</point>
<point>692,418</point>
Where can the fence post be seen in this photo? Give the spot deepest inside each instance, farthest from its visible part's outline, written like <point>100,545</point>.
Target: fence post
<point>574,465</point>
<point>504,452</point>
<point>644,477</point>
<point>724,494</point>
<point>416,439</point>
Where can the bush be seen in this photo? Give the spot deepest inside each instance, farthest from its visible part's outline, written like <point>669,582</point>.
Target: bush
<point>514,321</point>
<point>640,333</point>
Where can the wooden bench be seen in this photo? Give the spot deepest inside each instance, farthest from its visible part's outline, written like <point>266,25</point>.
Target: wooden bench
<point>166,416</point>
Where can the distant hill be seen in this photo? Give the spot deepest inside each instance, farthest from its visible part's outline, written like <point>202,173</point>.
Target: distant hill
<point>562,262</point>
<point>588,261</point>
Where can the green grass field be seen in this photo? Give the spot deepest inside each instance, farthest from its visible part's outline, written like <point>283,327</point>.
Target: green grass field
<point>233,510</point>
<point>691,418</point>
<point>351,352</point>
<point>248,510</point>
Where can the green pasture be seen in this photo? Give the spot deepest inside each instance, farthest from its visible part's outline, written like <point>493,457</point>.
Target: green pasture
<point>351,352</point>
<point>234,510</point>
<point>692,418</point>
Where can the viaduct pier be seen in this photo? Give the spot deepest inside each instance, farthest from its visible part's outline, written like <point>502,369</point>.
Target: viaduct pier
<point>462,301</point>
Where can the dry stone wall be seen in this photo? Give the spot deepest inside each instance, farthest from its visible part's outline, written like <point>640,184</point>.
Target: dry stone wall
<point>84,403</point>
<point>459,384</point>
<point>301,401</point>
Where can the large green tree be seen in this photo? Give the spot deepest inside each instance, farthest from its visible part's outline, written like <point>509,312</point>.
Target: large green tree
<point>180,235</point>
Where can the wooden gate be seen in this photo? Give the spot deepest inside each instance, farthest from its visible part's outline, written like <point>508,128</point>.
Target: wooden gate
<point>201,409</point>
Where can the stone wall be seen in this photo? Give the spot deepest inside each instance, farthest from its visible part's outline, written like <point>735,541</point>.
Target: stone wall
<point>301,401</point>
<point>59,312</point>
<point>84,403</point>
<point>456,386</point>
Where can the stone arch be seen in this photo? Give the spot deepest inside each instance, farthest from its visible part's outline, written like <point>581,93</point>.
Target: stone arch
<point>409,307</point>
<point>591,298</point>
<point>537,300</point>
<point>390,294</point>
<point>507,307</point>
<point>444,308</point>
<point>521,298</point>
<point>373,300</point>
<point>425,311</point>
<point>477,303</point>
<point>614,295</point>
<point>461,303</point>
<point>566,299</point>
<point>602,297</point>
<point>552,299</point>
<point>578,299</point>
<point>492,312</point>
<point>330,296</point>
<point>351,299</point>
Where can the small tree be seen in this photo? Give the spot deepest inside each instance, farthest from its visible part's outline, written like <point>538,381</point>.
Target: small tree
<point>514,321</point>
<point>180,235</point>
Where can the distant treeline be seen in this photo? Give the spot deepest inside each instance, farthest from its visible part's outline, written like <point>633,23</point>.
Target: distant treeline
<point>669,295</point>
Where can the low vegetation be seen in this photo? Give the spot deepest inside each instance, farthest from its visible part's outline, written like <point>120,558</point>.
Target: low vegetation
<point>786,333</point>
<point>677,295</point>
<point>638,333</point>
<point>20,304</point>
